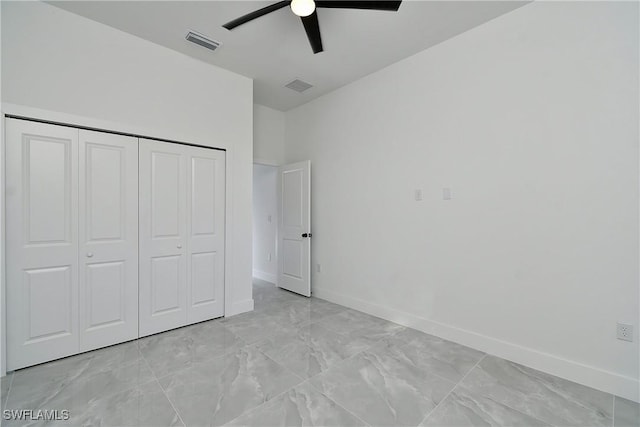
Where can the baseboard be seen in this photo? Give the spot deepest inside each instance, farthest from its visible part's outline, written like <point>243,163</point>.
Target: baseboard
<point>240,307</point>
<point>590,376</point>
<point>271,278</point>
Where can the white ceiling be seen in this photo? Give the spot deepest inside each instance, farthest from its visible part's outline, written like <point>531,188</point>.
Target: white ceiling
<point>273,50</point>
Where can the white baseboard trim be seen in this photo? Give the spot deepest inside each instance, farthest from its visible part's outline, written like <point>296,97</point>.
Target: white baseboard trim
<point>240,307</point>
<point>271,278</point>
<point>590,376</point>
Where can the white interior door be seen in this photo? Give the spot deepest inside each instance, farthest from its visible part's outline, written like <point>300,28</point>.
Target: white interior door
<point>294,234</point>
<point>108,244</point>
<point>42,242</point>
<point>163,232</point>
<point>206,222</point>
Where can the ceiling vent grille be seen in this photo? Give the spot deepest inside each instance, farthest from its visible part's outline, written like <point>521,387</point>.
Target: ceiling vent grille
<point>298,85</point>
<point>201,40</point>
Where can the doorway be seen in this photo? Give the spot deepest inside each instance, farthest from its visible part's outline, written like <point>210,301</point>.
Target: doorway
<point>265,222</point>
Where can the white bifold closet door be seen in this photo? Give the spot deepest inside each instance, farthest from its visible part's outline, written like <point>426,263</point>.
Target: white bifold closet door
<point>182,199</point>
<point>42,242</point>
<point>108,243</point>
<point>71,241</point>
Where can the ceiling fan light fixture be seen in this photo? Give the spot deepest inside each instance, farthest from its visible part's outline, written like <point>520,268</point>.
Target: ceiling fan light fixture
<point>303,7</point>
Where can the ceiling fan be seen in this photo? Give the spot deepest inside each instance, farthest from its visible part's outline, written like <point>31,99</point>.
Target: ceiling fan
<point>306,10</point>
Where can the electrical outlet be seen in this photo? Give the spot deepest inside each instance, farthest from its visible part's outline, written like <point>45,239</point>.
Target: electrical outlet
<point>318,268</point>
<point>269,257</point>
<point>417,194</point>
<point>625,332</point>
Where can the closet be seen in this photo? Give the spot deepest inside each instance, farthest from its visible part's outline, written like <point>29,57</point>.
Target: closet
<point>181,235</point>
<point>108,238</point>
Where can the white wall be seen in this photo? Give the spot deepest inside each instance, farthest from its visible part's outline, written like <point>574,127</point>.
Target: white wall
<point>64,66</point>
<point>265,220</point>
<point>532,120</point>
<point>268,135</point>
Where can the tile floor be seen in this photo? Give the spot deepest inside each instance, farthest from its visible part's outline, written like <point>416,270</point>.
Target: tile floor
<point>304,362</point>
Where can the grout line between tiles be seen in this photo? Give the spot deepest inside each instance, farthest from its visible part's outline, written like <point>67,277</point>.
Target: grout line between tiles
<point>76,378</point>
<point>266,401</point>
<point>304,380</point>
<point>281,365</point>
<point>459,384</point>
<point>613,412</point>
<point>323,393</point>
<point>6,399</point>
<point>162,388</point>
<point>340,406</point>
<point>451,391</point>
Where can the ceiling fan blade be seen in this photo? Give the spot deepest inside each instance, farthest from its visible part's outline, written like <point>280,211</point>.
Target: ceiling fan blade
<point>391,6</point>
<point>312,28</point>
<point>255,14</point>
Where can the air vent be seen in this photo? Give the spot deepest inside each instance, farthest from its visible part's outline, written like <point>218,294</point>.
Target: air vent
<point>202,40</point>
<point>298,85</point>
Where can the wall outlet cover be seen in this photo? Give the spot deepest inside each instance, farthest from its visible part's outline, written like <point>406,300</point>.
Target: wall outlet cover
<point>624,331</point>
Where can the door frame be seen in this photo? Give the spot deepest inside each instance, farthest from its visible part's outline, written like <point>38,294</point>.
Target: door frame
<point>88,123</point>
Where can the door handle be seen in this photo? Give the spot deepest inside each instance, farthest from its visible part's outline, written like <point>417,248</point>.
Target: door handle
<point>89,254</point>
<point>306,235</point>
<point>179,246</point>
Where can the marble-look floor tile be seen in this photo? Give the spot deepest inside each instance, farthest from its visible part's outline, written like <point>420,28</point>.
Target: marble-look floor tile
<point>179,349</point>
<point>311,351</point>
<point>548,398</point>
<point>371,335</point>
<point>214,392</point>
<point>142,406</point>
<point>249,370</point>
<point>382,391</point>
<point>254,326</point>
<point>627,413</point>
<point>5,383</point>
<point>267,294</point>
<point>301,312</point>
<point>57,372</point>
<point>296,313</point>
<point>351,320</point>
<point>266,302</point>
<point>302,406</point>
<point>444,358</point>
<point>321,308</point>
<point>78,390</point>
<point>464,409</point>
<point>326,340</point>
<point>297,356</point>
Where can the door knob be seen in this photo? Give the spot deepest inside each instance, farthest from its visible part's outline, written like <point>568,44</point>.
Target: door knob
<point>89,254</point>
<point>179,246</point>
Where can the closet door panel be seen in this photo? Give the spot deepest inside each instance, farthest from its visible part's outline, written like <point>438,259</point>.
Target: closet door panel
<point>206,203</point>
<point>108,239</point>
<point>41,242</point>
<point>163,229</point>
